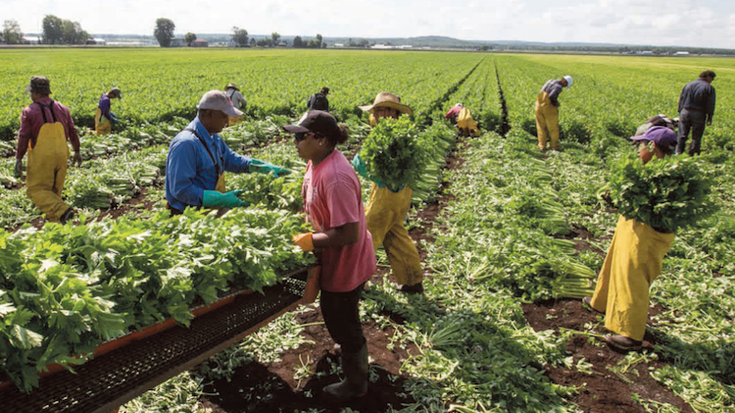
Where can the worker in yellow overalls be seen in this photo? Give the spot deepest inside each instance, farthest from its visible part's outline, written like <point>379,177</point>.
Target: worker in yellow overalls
<point>45,127</point>
<point>238,101</point>
<point>388,207</point>
<point>547,111</point>
<point>633,262</point>
<point>462,118</point>
<point>104,118</point>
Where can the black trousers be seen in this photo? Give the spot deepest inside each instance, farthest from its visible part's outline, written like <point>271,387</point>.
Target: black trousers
<point>693,121</point>
<point>341,314</point>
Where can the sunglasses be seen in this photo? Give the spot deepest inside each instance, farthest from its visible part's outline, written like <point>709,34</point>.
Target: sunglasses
<point>301,136</point>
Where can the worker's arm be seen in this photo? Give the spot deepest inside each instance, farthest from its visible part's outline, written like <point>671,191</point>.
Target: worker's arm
<point>341,236</point>
<point>554,94</point>
<point>24,134</point>
<point>234,162</point>
<point>710,110</point>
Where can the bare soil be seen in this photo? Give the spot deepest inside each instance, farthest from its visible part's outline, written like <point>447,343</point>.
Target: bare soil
<point>603,390</point>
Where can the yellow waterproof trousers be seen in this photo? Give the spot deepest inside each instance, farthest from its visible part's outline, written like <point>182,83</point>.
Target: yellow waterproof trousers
<point>46,171</point>
<point>102,125</point>
<point>633,262</point>
<point>233,121</point>
<point>466,124</point>
<point>547,118</point>
<point>384,215</point>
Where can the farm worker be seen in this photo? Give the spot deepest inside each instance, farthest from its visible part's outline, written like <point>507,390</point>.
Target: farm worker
<point>238,101</point>
<point>104,118</point>
<point>696,108</point>
<point>387,208</point>
<point>198,158</point>
<point>547,111</point>
<point>658,120</point>
<point>341,242</point>
<point>633,261</point>
<point>45,127</point>
<point>319,101</point>
<point>462,117</point>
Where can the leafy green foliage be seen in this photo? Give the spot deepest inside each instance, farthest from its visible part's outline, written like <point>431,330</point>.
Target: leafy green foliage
<point>669,193</point>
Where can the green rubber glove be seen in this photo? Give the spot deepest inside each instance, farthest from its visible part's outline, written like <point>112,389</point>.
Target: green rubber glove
<point>215,199</point>
<point>257,165</point>
<point>360,166</point>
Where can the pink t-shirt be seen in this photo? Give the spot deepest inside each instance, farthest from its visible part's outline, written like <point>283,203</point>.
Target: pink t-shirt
<point>332,198</point>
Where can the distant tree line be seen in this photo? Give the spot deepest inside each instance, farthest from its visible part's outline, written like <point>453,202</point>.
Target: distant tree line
<point>657,50</point>
<point>61,31</point>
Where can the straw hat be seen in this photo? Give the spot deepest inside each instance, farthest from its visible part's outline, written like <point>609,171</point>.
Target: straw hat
<point>388,100</point>
<point>232,86</point>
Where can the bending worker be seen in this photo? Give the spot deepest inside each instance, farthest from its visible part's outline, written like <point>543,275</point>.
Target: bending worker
<point>319,101</point>
<point>45,127</point>
<point>198,158</point>
<point>238,101</point>
<point>696,109</point>
<point>104,118</point>
<point>547,111</point>
<point>462,118</point>
<point>387,209</point>
<point>341,242</point>
<point>634,260</point>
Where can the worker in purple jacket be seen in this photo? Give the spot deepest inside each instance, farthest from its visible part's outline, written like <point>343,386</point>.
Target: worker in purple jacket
<point>104,118</point>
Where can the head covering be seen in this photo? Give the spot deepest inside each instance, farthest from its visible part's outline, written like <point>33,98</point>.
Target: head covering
<point>661,135</point>
<point>387,100</point>
<point>325,90</point>
<point>316,121</point>
<point>459,105</point>
<point>232,86</point>
<point>116,91</point>
<point>569,81</point>
<point>217,100</point>
<point>39,84</point>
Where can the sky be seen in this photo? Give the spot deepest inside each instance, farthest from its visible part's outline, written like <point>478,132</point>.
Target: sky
<point>693,23</point>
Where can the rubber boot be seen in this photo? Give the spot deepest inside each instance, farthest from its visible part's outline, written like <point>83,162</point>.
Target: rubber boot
<point>355,383</point>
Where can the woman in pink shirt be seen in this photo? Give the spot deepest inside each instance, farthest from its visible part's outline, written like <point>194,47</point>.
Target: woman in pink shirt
<point>341,242</point>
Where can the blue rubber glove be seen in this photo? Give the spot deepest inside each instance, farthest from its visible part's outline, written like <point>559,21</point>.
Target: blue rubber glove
<point>257,165</point>
<point>216,199</point>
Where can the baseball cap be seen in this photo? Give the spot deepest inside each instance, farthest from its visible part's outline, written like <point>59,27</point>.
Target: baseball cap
<point>218,100</point>
<point>661,135</point>
<point>316,121</point>
<point>39,84</point>
<point>569,81</point>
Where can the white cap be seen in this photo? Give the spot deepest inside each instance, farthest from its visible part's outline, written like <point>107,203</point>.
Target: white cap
<point>569,81</point>
<point>458,104</point>
<point>218,100</point>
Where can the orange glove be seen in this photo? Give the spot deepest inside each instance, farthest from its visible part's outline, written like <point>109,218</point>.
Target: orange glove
<point>305,241</point>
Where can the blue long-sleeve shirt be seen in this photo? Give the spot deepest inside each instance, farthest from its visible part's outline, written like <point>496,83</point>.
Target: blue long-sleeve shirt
<point>190,170</point>
<point>104,105</point>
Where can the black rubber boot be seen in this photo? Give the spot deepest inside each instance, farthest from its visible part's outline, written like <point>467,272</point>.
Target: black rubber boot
<point>355,383</point>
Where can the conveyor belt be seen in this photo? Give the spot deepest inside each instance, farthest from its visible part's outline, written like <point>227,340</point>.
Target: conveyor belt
<point>109,381</point>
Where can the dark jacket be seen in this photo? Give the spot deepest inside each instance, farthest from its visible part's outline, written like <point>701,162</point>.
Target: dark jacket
<point>318,101</point>
<point>698,95</point>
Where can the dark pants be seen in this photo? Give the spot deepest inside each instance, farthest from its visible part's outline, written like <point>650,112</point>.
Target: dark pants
<point>342,317</point>
<point>691,121</point>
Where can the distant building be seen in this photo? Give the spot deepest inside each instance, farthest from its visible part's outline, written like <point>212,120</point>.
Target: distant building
<point>339,45</point>
<point>177,42</point>
<point>200,43</point>
<point>381,46</point>
<point>681,54</point>
<point>30,40</point>
<point>100,42</point>
<point>647,52</point>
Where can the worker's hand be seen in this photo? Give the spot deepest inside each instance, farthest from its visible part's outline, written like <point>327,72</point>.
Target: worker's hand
<point>709,122</point>
<point>76,158</point>
<point>305,241</point>
<point>360,166</point>
<point>216,199</point>
<point>257,165</point>
<point>18,172</point>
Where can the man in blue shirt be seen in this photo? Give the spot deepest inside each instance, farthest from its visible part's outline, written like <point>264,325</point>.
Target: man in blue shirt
<point>198,159</point>
<point>696,109</point>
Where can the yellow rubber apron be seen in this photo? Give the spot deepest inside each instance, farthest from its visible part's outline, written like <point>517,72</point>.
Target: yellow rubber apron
<point>384,217</point>
<point>467,125</point>
<point>47,163</point>
<point>547,118</point>
<point>102,125</point>
<point>633,262</point>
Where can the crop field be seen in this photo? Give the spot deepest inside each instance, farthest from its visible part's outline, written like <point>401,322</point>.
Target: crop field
<point>510,238</point>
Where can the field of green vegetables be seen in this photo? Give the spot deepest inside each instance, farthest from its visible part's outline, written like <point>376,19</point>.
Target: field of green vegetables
<point>516,228</point>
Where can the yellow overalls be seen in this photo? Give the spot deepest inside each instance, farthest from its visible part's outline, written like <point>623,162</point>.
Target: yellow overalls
<point>547,117</point>
<point>102,125</point>
<point>465,123</point>
<point>633,262</point>
<point>384,217</point>
<point>46,171</point>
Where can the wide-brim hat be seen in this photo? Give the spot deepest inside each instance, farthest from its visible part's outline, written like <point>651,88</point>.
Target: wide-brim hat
<point>387,100</point>
<point>232,86</point>
<point>39,84</point>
